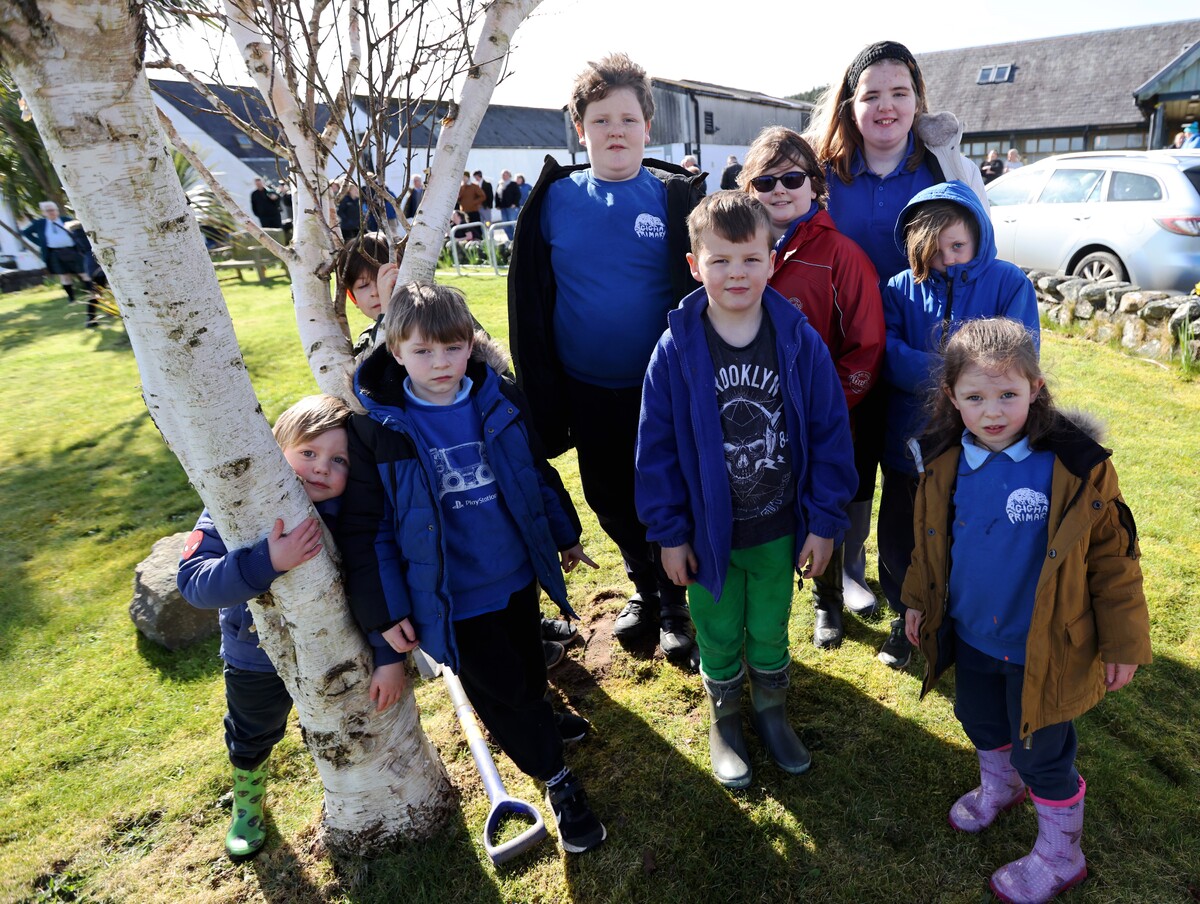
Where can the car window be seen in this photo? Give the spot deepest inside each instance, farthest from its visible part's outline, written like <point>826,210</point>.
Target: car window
<point>1069,186</point>
<point>1133,187</point>
<point>1015,187</point>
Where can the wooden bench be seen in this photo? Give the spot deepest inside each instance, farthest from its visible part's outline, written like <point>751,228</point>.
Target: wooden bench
<point>245,253</point>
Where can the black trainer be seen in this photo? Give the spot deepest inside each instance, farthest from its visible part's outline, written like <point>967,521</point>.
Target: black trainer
<point>578,828</point>
<point>571,728</point>
<point>554,652</point>
<point>636,619</point>
<point>896,650</point>
<point>560,630</point>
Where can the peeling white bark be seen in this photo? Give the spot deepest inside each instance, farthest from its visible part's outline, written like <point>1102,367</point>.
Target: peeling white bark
<point>77,63</point>
<point>454,143</point>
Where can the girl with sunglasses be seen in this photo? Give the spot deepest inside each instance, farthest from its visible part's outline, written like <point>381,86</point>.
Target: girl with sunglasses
<point>880,146</point>
<point>830,279</point>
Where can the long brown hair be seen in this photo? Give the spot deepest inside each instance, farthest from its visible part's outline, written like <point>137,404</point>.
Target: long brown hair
<point>995,344</point>
<point>835,135</point>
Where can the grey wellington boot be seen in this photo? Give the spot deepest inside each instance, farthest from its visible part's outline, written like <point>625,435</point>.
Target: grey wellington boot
<point>768,693</point>
<point>726,743</point>
<point>827,598</point>
<point>860,599</point>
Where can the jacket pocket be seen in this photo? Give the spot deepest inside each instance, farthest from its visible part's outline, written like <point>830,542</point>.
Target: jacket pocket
<point>1080,653</point>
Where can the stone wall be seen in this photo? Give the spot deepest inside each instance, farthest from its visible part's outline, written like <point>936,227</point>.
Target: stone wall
<point>1148,323</point>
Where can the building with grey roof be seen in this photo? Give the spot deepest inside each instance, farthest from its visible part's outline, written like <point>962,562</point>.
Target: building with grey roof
<point>1069,93</point>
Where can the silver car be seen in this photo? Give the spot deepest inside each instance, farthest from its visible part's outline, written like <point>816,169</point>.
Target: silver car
<point>1132,215</point>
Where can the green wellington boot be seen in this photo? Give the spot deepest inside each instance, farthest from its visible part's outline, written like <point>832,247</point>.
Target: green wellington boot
<point>247,832</point>
<point>726,744</point>
<point>768,694</point>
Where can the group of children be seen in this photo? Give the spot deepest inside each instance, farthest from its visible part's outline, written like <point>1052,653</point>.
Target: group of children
<point>720,457</point>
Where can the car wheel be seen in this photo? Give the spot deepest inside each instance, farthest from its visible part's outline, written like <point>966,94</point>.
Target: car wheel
<point>1100,265</point>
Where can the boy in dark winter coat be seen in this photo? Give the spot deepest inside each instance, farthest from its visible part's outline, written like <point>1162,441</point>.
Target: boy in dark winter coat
<point>583,328</point>
<point>451,521</point>
<point>312,434</point>
<point>744,469</point>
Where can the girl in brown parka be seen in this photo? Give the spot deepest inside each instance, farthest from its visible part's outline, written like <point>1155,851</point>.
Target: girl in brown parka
<point>1025,574</point>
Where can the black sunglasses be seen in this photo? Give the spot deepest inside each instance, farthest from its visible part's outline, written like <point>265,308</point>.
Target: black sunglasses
<point>791,181</point>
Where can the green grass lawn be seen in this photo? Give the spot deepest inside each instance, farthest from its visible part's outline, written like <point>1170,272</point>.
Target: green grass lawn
<point>113,766</point>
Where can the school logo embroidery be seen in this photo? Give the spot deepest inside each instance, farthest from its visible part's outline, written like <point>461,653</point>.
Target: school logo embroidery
<point>1026,505</point>
<point>195,538</point>
<point>461,468</point>
<point>648,226</point>
<point>859,381</point>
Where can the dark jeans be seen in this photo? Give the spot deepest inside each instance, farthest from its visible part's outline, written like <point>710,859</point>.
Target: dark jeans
<point>895,533</point>
<point>604,425</point>
<point>503,671</point>
<point>258,705</point>
<point>988,704</point>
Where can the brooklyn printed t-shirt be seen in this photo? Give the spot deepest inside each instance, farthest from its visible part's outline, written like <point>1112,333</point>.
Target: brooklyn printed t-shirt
<point>757,458</point>
<point>608,248</point>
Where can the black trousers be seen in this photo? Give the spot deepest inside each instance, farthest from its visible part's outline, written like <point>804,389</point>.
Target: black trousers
<point>604,425</point>
<point>503,671</point>
<point>895,533</point>
<point>257,712</point>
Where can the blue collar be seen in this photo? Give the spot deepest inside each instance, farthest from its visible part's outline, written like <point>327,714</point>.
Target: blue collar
<point>791,230</point>
<point>464,390</point>
<point>859,164</point>
<point>975,455</point>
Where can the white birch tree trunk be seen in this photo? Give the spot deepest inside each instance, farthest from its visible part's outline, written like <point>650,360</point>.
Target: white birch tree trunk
<point>78,65</point>
<point>428,230</point>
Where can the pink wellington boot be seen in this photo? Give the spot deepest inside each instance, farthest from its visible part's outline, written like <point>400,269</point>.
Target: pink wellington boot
<point>1000,789</point>
<point>1056,863</point>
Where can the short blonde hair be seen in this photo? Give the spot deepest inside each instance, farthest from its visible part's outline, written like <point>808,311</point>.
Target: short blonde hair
<point>309,418</point>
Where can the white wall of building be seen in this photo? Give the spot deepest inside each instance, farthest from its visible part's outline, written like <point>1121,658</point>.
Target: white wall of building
<point>235,176</point>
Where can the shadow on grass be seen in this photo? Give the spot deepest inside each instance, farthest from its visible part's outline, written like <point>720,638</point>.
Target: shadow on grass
<point>64,505</point>
<point>198,662</point>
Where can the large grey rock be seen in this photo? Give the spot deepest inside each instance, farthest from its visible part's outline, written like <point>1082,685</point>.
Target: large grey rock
<point>1133,302</point>
<point>1096,294</point>
<point>1069,289</point>
<point>1112,298</point>
<point>1050,284</point>
<point>1134,333</point>
<point>1185,315</point>
<point>1084,309</point>
<point>1163,308</point>
<point>158,609</point>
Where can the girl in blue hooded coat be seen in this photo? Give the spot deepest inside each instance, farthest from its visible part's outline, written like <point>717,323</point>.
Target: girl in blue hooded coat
<point>954,276</point>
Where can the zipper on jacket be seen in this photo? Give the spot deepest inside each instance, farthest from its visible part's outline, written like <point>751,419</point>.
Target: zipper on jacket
<point>1125,517</point>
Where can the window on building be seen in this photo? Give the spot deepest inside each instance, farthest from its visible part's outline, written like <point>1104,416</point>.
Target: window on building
<point>710,127</point>
<point>243,141</point>
<point>995,74</point>
<point>1123,141</point>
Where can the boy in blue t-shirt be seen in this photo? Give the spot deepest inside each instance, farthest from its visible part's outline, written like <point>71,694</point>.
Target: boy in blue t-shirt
<point>452,519</point>
<point>312,435</point>
<point>744,469</point>
<point>598,261</point>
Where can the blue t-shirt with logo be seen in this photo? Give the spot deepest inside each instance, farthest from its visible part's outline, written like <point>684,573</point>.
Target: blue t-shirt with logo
<point>486,558</point>
<point>998,545</point>
<point>608,248</point>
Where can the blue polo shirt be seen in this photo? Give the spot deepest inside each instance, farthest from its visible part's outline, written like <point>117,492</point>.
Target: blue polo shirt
<point>866,210</point>
<point>998,544</point>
